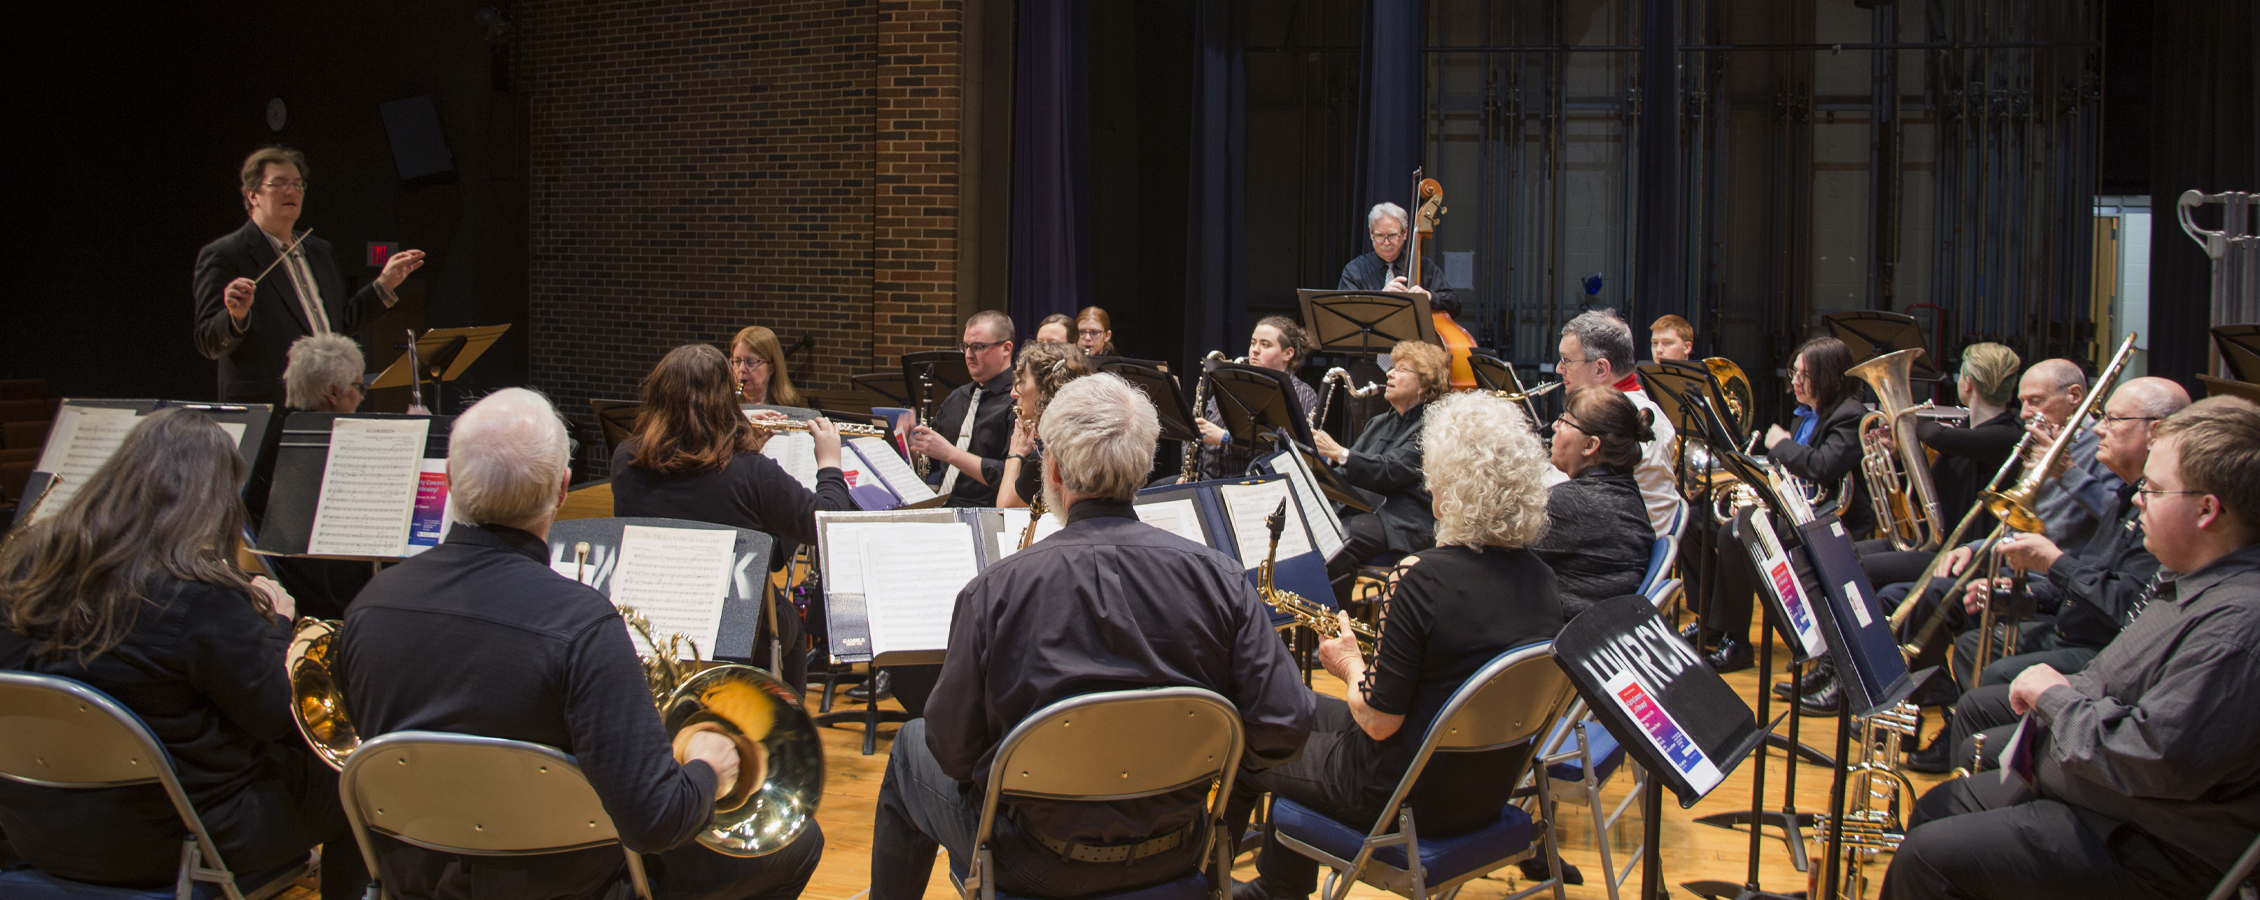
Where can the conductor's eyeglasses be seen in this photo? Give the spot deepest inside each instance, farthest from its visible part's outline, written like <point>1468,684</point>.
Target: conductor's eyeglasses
<point>281,185</point>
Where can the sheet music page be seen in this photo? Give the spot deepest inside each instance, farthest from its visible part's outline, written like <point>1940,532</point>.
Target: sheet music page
<point>234,430</point>
<point>369,487</point>
<point>912,572</point>
<point>676,577</point>
<point>83,439</point>
<point>796,452</point>
<point>891,468</point>
<point>1178,517</point>
<point>1016,524</point>
<point>1248,504</point>
<point>1325,528</point>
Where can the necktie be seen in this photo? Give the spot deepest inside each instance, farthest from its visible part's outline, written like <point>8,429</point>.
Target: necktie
<point>964,436</point>
<point>309,297</point>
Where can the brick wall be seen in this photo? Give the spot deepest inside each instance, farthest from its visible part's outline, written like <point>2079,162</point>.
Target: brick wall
<point>698,167</point>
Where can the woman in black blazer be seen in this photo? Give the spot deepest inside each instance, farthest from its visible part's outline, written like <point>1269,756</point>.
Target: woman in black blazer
<point>132,588</point>
<point>1822,449</point>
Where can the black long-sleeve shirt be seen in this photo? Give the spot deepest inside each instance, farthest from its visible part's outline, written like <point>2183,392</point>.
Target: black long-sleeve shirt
<point>1967,458</point>
<point>753,492</point>
<point>991,439</point>
<point>478,636</point>
<point>1065,617</point>
<point>1369,273</point>
<point>1834,451</point>
<point>1597,539</point>
<point>2162,730</point>
<point>1385,462</point>
<point>204,670</point>
<point>1451,613</point>
<point>2102,584</point>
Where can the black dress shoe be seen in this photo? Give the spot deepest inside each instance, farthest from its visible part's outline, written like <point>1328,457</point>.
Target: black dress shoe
<point>1534,869</point>
<point>862,691</point>
<point>1934,759</point>
<point>1815,675</point>
<point>1697,635</point>
<point>1823,702</point>
<point>1731,656</point>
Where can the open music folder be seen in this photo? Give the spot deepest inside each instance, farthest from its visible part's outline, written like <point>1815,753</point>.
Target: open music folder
<point>891,578</point>
<point>1230,515</point>
<point>87,432</point>
<point>877,476</point>
<point>367,486</point>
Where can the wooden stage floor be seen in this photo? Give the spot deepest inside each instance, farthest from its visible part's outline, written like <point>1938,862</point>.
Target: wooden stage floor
<point>1691,851</point>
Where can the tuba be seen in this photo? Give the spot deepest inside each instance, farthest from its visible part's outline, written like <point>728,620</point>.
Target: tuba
<point>780,760</point>
<point>1906,502</point>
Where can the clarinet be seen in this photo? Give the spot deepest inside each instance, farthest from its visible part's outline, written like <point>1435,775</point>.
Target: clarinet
<point>1192,466</point>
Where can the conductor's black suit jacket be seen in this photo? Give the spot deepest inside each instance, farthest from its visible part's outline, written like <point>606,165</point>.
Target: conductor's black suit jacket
<point>251,361</point>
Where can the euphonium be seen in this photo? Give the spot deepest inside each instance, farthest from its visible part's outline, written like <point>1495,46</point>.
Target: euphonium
<point>1890,474</point>
<point>780,760</point>
<point>1734,388</point>
<point>1305,613</point>
<point>1192,465</point>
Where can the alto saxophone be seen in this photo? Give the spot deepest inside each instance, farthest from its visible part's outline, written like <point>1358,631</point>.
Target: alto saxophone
<point>1305,613</point>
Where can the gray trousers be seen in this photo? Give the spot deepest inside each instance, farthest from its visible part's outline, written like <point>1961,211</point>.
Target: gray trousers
<point>1976,838</point>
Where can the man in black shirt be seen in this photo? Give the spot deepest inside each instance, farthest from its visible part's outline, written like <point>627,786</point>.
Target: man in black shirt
<point>1107,603</point>
<point>969,457</point>
<point>478,636</point>
<point>1385,268</point>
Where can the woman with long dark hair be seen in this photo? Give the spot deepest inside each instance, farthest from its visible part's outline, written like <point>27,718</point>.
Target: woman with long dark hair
<point>694,455</point>
<point>1597,537</point>
<point>132,588</point>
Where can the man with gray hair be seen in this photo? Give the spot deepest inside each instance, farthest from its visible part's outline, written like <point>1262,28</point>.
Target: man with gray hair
<point>1596,348</point>
<point>1384,269</point>
<point>324,374</point>
<point>479,636</point>
<point>1106,603</point>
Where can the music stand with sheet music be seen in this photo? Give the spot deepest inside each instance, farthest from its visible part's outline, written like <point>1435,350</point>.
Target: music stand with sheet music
<point>2239,349</point>
<point>1493,373</point>
<point>1873,332</point>
<point>1669,381</point>
<point>1365,321</point>
<point>255,418</point>
<point>1160,387</point>
<point>438,355</point>
<point>301,460</point>
<point>747,599</point>
<point>1257,403</point>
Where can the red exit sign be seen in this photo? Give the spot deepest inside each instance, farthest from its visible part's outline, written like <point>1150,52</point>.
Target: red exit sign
<point>379,251</point>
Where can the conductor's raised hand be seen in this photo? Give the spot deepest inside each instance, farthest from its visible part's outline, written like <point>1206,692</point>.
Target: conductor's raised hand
<point>397,268</point>
<point>237,297</point>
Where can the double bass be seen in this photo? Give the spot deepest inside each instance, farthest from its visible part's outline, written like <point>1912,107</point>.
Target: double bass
<point>1428,201</point>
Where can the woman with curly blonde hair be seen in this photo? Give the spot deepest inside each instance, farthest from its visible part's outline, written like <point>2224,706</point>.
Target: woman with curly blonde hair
<point>1385,463</point>
<point>1451,609</point>
<point>1043,369</point>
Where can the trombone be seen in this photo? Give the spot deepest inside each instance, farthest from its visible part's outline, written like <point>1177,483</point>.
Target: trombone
<point>2016,508</point>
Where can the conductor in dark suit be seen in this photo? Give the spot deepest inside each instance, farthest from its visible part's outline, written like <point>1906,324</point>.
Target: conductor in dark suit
<point>248,322</point>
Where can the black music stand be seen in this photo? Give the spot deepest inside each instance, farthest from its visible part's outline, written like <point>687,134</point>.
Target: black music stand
<point>256,419</point>
<point>1670,381</point>
<point>615,419</point>
<point>939,370</point>
<point>745,604</point>
<point>1365,321</point>
<point>1329,482</point>
<point>1689,731</point>
<point>1160,387</point>
<point>301,458</point>
<point>888,385</point>
<point>2238,347</point>
<point>1493,373</point>
<point>1257,403</point>
<point>2220,387</point>
<point>1873,332</point>
<point>1101,362</point>
<point>438,355</point>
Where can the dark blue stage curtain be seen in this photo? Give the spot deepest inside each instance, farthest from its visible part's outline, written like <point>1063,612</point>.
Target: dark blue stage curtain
<point>1391,97</point>
<point>1216,272</point>
<point>1051,163</point>
<point>2204,135</point>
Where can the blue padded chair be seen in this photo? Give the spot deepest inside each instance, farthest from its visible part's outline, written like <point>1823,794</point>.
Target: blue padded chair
<point>474,796</point>
<point>1123,745</point>
<point>1514,700</point>
<point>60,733</point>
<point>1665,552</point>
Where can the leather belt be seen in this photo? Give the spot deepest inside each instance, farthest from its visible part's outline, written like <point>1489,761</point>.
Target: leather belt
<point>1116,853</point>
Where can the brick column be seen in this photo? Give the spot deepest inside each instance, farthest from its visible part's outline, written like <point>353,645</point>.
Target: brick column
<point>914,209</point>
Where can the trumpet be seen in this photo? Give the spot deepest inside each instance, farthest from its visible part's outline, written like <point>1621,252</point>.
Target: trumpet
<point>1305,613</point>
<point>781,761</point>
<point>849,429</point>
